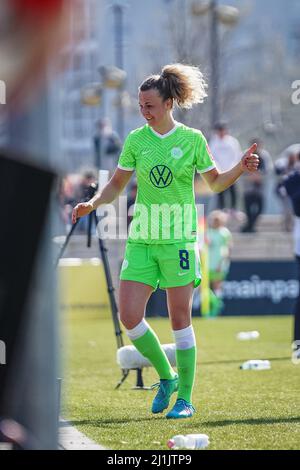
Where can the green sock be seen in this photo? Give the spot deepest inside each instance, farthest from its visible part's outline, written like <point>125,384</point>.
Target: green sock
<point>186,367</point>
<point>149,346</point>
<point>215,304</point>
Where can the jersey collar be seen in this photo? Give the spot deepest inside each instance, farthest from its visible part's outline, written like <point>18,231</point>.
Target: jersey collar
<point>163,136</point>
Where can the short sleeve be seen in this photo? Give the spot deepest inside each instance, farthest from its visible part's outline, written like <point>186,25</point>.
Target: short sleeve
<point>204,161</point>
<point>127,158</point>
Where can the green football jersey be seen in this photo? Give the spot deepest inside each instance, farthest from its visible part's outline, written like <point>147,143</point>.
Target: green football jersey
<point>219,241</point>
<point>165,165</point>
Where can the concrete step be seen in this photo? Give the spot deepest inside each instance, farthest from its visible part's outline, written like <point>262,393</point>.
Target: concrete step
<point>271,223</point>
<point>263,246</point>
<point>265,223</point>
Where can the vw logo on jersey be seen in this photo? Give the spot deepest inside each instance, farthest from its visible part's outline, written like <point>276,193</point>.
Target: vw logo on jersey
<point>176,153</point>
<point>161,176</point>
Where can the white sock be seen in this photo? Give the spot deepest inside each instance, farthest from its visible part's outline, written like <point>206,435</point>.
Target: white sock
<point>185,339</point>
<point>138,331</point>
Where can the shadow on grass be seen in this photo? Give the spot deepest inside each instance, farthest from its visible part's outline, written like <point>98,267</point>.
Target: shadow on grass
<point>251,422</point>
<point>110,422</point>
<point>239,361</point>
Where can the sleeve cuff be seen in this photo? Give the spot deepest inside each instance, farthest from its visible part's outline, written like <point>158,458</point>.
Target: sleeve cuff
<point>206,169</point>
<point>125,168</point>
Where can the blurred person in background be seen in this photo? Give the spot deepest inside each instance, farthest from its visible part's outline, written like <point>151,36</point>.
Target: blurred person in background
<point>107,145</point>
<point>88,177</point>
<point>283,167</point>
<point>254,187</point>
<point>227,153</point>
<point>291,186</point>
<point>82,189</point>
<point>66,200</point>
<point>75,187</point>
<point>219,240</point>
<point>165,155</point>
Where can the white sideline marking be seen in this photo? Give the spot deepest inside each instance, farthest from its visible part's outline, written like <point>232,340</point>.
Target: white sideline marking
<point>69,438</point>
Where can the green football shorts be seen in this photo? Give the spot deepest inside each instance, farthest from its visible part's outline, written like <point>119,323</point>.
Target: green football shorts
<point>162,265</point>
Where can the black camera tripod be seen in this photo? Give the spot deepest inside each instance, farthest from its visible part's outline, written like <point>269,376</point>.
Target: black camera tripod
<point>92,189</point>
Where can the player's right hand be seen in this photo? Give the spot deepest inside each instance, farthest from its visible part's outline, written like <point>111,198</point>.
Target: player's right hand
<point>82,209</point>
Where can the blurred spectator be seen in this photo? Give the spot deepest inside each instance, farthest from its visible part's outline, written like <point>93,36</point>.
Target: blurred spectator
<point>66,201</point>
<point>73,188</point>
<point>253,185</point>
<point>227,153</point>
<point>219,248</point>
<point>88,176</point>
<point>107,145</point>
<point>283,167</point>
<point>291,185</point>
<point>82,192</point>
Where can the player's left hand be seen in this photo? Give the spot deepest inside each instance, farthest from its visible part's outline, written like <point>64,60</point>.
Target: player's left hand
<point>250,160</point>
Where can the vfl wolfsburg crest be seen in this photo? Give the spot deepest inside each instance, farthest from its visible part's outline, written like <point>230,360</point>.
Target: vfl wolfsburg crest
<point>161,176</point>
<point>176,153</point>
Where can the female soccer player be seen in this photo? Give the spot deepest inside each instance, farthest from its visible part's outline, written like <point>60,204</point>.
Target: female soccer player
<point>162,243</point>
<point>219,246</point>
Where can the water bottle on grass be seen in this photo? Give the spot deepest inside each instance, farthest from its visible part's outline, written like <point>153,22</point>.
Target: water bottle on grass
<point>190,441</point>
<point>247,335</point>
<point>256,364</point>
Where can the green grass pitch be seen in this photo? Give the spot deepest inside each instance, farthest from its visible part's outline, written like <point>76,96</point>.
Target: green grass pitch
<point>237,409</point>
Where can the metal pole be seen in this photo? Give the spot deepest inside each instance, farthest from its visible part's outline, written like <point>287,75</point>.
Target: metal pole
<point>119,60</point>
<point>215,62</point>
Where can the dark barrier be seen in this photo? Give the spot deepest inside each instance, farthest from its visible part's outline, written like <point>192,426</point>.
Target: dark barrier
<point>25,194</point>
<point>260,288</point>
<point>252,288</point>
<point>157,304</point>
